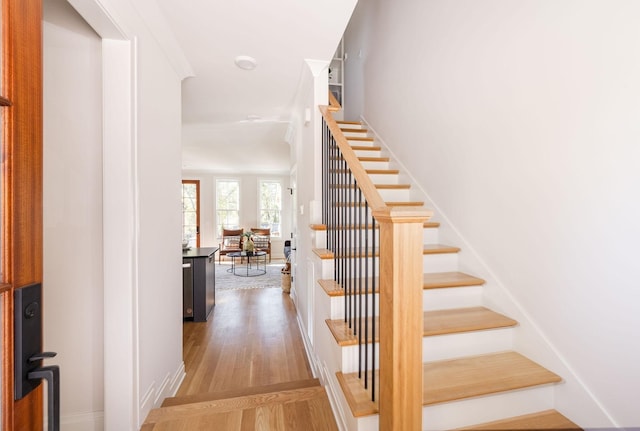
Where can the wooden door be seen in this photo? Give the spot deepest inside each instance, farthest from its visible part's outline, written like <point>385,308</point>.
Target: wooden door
<point>21,190</point>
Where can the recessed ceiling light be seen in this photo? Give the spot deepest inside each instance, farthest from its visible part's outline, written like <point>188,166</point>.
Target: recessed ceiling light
<point>245,62</point>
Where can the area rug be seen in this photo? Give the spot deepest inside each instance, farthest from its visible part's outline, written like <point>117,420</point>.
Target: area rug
<point>225,280</point>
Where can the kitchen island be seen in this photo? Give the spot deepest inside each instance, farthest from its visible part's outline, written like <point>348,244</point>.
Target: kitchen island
<point>198,282</point>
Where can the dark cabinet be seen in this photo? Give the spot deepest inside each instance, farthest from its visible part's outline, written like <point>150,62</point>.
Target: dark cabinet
<point>198,283</point>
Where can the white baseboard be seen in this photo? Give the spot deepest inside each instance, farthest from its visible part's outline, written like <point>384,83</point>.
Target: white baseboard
<point>311,357</point>
<point>93,421</point>
<point>321,372</point>
<point>153,397</point>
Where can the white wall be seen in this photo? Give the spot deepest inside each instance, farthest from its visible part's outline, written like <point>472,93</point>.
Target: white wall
<point>306,151</point>
<point>519,119</point>
<point>131,210</point>
<point>248,206</point>
<point>73,270</point>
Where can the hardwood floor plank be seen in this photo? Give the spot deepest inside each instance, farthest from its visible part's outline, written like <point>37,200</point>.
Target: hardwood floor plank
<point>246,370</point>
<point>251,339</point>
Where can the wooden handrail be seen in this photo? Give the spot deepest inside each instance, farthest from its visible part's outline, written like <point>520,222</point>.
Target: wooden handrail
<point>369,190</point>
<point>400,402</point>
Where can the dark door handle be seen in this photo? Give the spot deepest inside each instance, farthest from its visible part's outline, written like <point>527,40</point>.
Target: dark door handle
<point>51,374</point>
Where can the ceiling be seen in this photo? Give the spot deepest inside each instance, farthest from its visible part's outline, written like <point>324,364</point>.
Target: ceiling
<point>235,120</point>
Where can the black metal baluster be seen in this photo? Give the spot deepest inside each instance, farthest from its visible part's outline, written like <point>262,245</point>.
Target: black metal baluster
<point>360,294</point>
<point>374,263</point>
<point>366,302</point>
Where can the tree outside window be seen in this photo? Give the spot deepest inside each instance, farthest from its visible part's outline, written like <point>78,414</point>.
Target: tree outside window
<point>270,205</point>
<point>190,212</point>
<point>227,205</point>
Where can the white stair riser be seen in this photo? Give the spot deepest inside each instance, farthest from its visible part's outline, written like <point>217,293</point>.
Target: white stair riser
<point>384,178</point>
<point>445,262</point>
<point>429,236</point>
<point>375,165</point>
<point>450,346</point>
<point>440,347</point>
<point>476,410</point>
<point>319,239</point>
<point>388,195</point>
<point>453,297</point>
<point>362,133</point>
<point>488,408</point>
<point>338,306</point>
<point>350,126</point>
<point>368,153</point>
<point>432,299</point>
<point>358,143</point>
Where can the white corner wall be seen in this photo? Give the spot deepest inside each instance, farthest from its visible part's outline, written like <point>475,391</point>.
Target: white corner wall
<point>73,270</point>
<point>520,120</point>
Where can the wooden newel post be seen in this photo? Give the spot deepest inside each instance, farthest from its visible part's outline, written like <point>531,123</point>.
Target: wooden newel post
<point>401,268</point>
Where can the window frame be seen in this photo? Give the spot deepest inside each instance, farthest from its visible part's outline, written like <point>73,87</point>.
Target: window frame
<point>260,209</point>
<point>197,184</point>
<point>218,224</point>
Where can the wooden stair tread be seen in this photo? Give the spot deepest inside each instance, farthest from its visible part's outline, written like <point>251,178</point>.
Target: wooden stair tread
<point>324,253</point>
<point>365,148</point>
<point>458,379</point>
<point>377,186</point>
<point>308,408</point>
<point>344,122</point>
<point>346,129</point>
<point>405,204</point>
<point>438,322</point>
<point>359,138</point>
<point>435,280</point>
<point>321,227</point>
<point>373,159</point>
<point>253,390</point>
<point>383,171</point>
<point>439,249</point>
<point>545,420</point>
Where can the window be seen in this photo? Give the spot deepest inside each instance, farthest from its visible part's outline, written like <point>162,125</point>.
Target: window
<point>191,212</point>
<point>227,205</point>
<point>270,205</point>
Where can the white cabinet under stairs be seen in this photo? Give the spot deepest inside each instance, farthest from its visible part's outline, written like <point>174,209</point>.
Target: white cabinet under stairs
<point>472,375</point>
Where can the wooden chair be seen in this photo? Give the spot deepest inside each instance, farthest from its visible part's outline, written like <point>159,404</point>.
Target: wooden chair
<point>262,240</point>
<point>231,242</point>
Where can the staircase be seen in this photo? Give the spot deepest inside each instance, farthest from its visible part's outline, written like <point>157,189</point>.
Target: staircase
<point>472,379</point>
<point>286,406</point>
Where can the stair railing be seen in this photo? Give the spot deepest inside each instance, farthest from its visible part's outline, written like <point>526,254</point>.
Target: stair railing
<point>376,248</point>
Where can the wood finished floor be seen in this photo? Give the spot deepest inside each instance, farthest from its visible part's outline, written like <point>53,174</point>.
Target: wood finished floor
<point>246,370</point>
<point>251,339</point>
